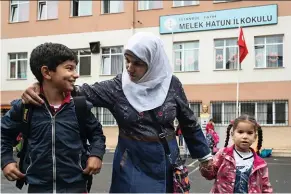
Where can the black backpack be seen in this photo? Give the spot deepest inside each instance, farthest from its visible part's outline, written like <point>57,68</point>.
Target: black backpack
<point>80,109</point>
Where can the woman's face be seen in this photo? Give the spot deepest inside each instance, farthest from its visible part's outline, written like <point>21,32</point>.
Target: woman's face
<point>135,67</point>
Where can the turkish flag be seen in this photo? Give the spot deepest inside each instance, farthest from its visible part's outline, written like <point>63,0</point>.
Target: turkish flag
<point>243,50</point>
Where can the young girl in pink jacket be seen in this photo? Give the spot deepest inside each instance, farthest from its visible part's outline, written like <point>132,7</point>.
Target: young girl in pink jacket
<point>239,169</point>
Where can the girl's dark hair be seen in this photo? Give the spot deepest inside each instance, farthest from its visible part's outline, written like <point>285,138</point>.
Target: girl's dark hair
<point>251,119</point>
<point>228,134</point>
<point>260,139</point>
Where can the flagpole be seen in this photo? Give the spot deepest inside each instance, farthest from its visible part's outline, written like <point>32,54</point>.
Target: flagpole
<point>237,83</point>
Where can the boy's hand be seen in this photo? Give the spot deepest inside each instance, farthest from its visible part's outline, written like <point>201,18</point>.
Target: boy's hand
<point>12,173</point>
<point>30,95</point>
<point>94,165</point>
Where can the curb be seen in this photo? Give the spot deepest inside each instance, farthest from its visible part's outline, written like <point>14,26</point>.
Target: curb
<point>281,153</point>
<point>110,150</point>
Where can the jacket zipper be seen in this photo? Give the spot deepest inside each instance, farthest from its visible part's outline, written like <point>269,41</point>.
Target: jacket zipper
<point>54,147</point>
<point>30,163</point>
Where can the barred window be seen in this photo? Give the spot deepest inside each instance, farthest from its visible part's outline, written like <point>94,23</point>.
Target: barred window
<point>271,112</point>
<point>104,116</point>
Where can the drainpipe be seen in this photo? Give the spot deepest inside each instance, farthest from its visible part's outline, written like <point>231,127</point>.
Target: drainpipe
<point>133,18</point>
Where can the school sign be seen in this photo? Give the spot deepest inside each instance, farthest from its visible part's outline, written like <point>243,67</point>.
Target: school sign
<point>222,19</point>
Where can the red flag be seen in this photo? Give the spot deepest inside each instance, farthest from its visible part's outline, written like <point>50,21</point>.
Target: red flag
<point>243,50</point>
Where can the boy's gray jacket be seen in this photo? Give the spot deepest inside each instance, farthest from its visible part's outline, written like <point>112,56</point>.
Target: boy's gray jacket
<point>55,149</point>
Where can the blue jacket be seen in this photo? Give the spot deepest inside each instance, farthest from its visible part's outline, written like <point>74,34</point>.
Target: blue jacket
<point>55,149</point>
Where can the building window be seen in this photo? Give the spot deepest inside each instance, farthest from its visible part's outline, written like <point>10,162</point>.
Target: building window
<point>81,8</point>
<point>112,60</point>
<point>17,65</point>
<point>47,10</point>
<point>19,11</point>
<point>269,51</point>
<point>104,116</point>
<point>226,53</point>
<point>177,3</point>
<point>273,112</point>
<point>196,108</point>
<point>224,1</point>
<point>111,6</point>
<point>186,56</point>
<point>84,65</point>
<point>147,5</point>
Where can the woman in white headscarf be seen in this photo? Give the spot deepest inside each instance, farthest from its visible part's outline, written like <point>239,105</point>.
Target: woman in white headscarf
<point>145,97</point>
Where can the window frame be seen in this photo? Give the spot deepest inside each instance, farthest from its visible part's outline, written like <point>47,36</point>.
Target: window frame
<point>79,58</point>
<point>110,54</point>
<point>148,5</point>
<point>16,4</point>
<point>102,7</point>
<point>265,50</point>
<point>194,2</point>
<point>79,7</point>
<point>224,47</point>
<point>16,65</point>
<point>224,1</point>
<point>183,55</point>
<point>39,2</point>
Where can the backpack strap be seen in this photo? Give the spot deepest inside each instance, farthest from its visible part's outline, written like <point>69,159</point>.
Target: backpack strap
<point>26,120</point>
<point>81,110</point>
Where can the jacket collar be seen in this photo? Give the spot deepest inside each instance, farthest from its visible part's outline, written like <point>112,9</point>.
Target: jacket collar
<point>258,161</point>
<point>66,100</point>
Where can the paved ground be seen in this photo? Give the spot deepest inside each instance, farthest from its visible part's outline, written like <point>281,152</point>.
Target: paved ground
<point>279,169</point>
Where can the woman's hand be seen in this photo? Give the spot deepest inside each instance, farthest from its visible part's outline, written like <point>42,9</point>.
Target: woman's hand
<point>94,165</point>
<point>30,95</point>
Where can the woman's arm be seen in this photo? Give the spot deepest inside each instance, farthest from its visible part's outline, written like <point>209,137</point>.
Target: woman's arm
<point>100,94</point>
<point>190,127</point>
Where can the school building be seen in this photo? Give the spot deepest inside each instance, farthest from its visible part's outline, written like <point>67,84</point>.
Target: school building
<point>200,39</point>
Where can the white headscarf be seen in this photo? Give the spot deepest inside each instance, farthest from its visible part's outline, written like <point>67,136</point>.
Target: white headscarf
<point>152,89</point>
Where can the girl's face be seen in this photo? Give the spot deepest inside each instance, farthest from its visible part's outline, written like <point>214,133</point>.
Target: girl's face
<point>135,67</point>
<point>244,136</point>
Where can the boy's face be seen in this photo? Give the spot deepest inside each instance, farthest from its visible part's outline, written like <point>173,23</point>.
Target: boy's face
<point>65,76</point>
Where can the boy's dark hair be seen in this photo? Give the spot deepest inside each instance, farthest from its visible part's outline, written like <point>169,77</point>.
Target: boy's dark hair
<point>251,119</point>
<point>50,55</point>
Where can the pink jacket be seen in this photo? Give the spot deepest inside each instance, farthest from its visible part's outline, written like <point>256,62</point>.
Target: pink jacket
<point>224,172</point>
